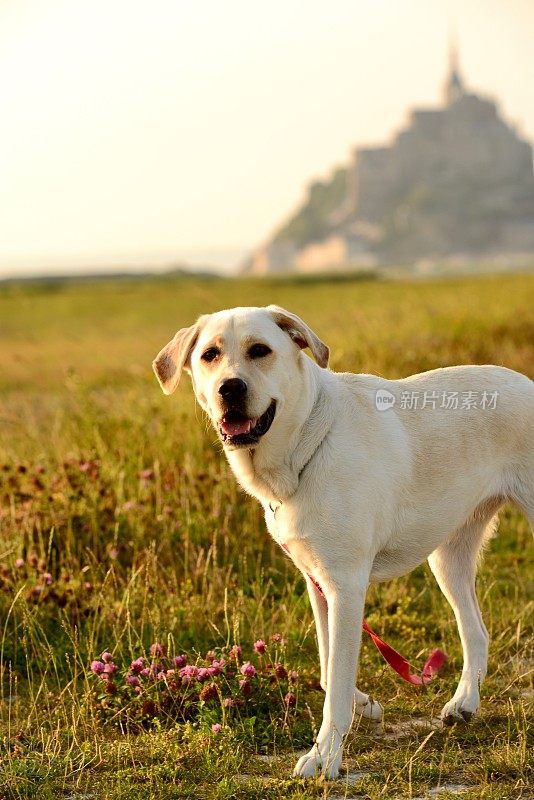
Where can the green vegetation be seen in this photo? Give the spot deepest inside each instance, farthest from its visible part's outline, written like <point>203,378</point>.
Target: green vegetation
<point>121,526</point>
<point>312,221</point>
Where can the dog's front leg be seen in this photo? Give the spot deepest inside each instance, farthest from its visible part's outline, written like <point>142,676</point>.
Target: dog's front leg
<point>345,598</point>
<point>364,705</point>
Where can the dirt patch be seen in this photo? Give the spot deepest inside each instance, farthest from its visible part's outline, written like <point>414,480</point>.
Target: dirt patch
<point>451,788</point>
<point>398,730</point>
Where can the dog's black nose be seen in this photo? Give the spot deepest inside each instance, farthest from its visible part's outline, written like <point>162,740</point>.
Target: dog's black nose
<point>233,389</point>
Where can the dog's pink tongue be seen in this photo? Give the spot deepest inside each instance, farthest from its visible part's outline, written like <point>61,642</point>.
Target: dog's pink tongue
<point>232,428</point>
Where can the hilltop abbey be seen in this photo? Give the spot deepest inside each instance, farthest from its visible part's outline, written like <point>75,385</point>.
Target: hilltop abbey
<point>457,181</point>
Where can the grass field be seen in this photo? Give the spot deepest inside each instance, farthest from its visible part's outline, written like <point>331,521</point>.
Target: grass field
<point>121,526</point>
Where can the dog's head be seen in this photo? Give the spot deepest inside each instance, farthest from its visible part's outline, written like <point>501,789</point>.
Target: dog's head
<point>245,364</point>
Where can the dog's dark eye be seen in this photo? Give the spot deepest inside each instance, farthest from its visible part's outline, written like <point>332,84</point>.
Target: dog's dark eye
<point>210,354</point>
<point>259,351</point>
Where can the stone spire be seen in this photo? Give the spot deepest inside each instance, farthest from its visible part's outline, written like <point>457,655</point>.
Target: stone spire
<point>454,88</point>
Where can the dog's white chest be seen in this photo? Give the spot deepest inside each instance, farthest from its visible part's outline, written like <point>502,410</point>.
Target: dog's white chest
<point>280,525</point>
<point>278,519</point>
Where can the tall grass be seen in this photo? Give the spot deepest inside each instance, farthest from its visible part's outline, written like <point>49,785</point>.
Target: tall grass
<point>121,525</point>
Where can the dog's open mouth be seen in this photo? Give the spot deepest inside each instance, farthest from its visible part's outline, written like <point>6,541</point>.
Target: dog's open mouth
<point>238,429</point>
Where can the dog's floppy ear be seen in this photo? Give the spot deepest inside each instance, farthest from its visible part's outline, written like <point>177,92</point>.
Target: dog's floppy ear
<point>174,357</point>
<point>301,334</point>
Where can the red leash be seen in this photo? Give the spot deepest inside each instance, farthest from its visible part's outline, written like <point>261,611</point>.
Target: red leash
<point>432,665</point>
<point>401,666</point>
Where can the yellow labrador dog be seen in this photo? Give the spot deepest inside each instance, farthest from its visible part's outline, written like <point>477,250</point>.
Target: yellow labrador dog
<point>362,479</point>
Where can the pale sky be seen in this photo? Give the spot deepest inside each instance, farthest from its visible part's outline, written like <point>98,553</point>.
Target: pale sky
<point>136,131</point>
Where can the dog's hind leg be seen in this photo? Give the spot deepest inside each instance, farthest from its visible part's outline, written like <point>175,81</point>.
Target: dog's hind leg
<point>524,498</point>
<point>454,565</point>
<point>528,509</point>
<point>520,479</point>
<point>364,705</point>
<point>320,614</point>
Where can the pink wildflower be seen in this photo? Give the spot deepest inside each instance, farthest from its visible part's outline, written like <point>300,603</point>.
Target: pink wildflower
<point>137,665</point>
<point>149,708</point>
<point>280,671</point>
<point>248,670</point>
<point>290,699</point>
<point>189,672</point>
<point>179,661</point>
<point>97,667</point>
<point>217,728</point>
<point>260,646</point>
<point>246,687</point>
<point>158,649</point>
<point>216,667</point>
<point>110,668</point>
<point>235,652</point>
<point>203,674</point>
<point>145,672</point>
<point>131,680</point>
<point>106,657</point>
<point>19,563</point>
<point>47,577</point>
<point>293,676</point>
<point>229,702</point>
<point>208,692</point>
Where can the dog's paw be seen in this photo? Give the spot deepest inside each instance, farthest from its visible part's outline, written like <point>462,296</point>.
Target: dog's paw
<point>459,709</point>
<point>366,707</point>
<point>309,764</point>
<point>315,763</point>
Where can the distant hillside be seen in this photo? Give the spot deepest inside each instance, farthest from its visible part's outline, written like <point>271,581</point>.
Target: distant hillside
<point>458,180</point>
<point>312,220</point>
